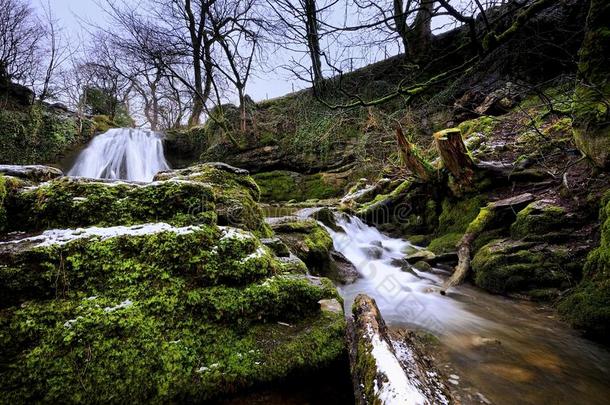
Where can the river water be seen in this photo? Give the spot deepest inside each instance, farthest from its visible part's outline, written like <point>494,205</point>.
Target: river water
<point>496,350</point>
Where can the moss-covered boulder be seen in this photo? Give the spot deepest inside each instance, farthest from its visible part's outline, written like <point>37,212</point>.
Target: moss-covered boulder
<point>504,266</point>
<point>286,186</point>
<point>204,194</point>
<point>590,109</point>
<point>453,221</point>
<point>588,306</point>
<point>541,220</point>
<point>184,310</point>
<point>308,240</point>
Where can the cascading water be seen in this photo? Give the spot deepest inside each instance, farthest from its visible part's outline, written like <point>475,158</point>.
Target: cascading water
<point>498,350</point>
<point>123,153</point>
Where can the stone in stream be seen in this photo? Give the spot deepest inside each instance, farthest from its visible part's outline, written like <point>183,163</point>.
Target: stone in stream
<point>36,173</point>
<point>389,368</point>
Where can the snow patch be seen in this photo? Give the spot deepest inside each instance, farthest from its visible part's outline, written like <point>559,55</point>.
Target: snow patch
<point>398,388</point>
<point>125,304</point>
<point>63,236</point>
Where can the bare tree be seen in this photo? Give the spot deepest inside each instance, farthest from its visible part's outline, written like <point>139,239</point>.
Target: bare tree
<point>296,28</point>
<point>20,37</point>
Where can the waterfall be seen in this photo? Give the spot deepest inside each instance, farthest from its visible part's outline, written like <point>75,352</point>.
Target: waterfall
<point>404,294</point>
<point>123,153</point>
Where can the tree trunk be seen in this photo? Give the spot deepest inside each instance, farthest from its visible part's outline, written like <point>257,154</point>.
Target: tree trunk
<point>243,116</point>
<point>421,34</point>
<point>487,215</point>
<point>400,24</point>
<point>454,154</point>
<point>591,124</point>
<point>412,159</point>
<point>313,43</point>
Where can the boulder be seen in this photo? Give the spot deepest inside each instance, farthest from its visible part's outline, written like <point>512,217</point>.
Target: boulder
<point>35,173</point>
<point>505,266</point>
<point>178,311</point>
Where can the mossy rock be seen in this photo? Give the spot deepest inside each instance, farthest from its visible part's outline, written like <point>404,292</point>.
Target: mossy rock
<point>588,306</point>
<point>505,266</point>
<point>180,315</point>
<point>286,186</point>
<point>309,241</point>
<point>540,220</point>
<point>205,194</point>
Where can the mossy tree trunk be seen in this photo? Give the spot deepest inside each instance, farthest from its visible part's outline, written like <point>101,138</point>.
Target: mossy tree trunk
<point>454,154</point>
<point>412,158</point>
<point>591,107</point>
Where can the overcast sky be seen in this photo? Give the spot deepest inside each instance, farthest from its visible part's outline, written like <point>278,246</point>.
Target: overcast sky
<point>74,14</point>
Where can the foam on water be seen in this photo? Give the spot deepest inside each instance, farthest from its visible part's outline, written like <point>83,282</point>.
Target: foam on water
<point>122,153</point>
<point>403,297</point>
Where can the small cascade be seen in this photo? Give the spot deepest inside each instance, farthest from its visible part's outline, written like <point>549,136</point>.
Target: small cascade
<point>405,296</point>
<point>122,153</point>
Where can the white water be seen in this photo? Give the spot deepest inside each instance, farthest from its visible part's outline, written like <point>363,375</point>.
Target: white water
<point>124,153</point>
<point>405,298</point>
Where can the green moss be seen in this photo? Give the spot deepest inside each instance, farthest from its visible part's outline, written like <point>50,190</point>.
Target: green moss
<point>504,266</point>
<point>457,215</point>
<point>285,186</point>
<point>39,135</point>
<point>69,202</point>
<point>310,242</point>
<point>588,307</point>
<point>590,108</point>
<point>537,220</point>
<point>160,356</point>
<point>204,196</point>
<point>483,125</point>
<point>445,244</point>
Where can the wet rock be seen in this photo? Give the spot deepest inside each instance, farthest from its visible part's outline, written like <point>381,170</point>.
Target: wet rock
<point>344,271</point>
<point>327,217</point>
<point>422,266</point>
<point>307,240</point>
<point>420,255</point>
<point>35,173</point>
<point>332,305</point>
<point>277,246</point>
<point>373,252</point>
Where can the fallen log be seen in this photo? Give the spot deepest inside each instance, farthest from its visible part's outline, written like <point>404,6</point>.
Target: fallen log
<point>487,215</point>
<point>388,367</point>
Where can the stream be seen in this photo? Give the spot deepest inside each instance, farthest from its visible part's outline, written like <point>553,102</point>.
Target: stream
<point>495,350</point>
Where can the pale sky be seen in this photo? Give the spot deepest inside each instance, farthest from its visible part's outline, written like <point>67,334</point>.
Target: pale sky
<point>73,14</point>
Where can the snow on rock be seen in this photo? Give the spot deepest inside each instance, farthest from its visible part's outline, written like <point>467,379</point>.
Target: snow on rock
<point>63,236</point>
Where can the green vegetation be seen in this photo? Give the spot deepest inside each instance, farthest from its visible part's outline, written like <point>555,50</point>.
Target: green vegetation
<point>454,219</point>
<point>588,306</point>
<point>504,266</point>
<point>287,186</point>
<point>38,135</point>
<point>188,315</point>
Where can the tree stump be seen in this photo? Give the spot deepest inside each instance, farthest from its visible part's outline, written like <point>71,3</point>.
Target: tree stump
<point>412,158</point>
<point>454,154</point>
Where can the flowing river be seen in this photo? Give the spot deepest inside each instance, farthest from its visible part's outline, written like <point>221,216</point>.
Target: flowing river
<point>495,350</point>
